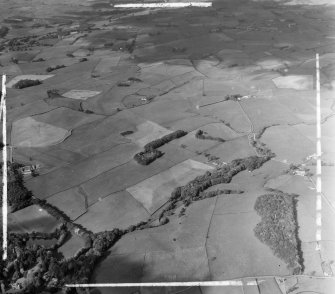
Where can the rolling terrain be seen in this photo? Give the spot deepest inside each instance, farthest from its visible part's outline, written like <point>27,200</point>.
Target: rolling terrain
<point>238,78</point>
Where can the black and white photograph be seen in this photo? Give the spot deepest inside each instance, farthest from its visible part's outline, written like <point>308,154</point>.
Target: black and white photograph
<point>167,147</point>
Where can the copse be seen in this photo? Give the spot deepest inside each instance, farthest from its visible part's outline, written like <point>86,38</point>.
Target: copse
<point>233,97</point>
<point>164,140</point>
<point>201,135</point>
<point>18,195</point>
<point>151,153</point>
<point>53,93</point>
<point>147,157</point>
<point>26,83</point>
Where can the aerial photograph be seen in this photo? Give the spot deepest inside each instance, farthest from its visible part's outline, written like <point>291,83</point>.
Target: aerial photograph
<point>166,146</point>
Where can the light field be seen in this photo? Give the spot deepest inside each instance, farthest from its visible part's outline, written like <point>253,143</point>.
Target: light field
<point>155,191</point>
<point>147,132</point>
<point>28,132</point>
<point>80,94</point>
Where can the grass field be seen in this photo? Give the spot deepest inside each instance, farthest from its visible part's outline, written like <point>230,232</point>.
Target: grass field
<point>288,144</point>
<point>155,191</point>
<point>32,218</point>
<point>294,82</point>
<point>147,132</point>
<point>80,94</point>
<point>70,176</point>
<point>27,132</point>
<point>119,210</point>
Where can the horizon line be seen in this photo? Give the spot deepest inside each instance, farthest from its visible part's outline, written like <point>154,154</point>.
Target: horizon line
<point>163,5</point>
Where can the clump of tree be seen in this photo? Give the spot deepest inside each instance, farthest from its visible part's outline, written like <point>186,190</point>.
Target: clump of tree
<point>3,31</point>
<point>88,111</point>
<point>33,268</point>
<point>129,82</point>
<point>151,153</point>
<point>164,140</point>
<point>124,84</point>
<point>53,93</point>
<point>14,60</point>
<point>26,83</point>
<point>202,135</point>
<point>133,79</point>
<point>279,227</point>
<point>233,97</point>
<point>261,148</point>
<point>125,133</point>
<point>38,60</point>
<point>130,45</point>
<point>18,195</point>
<point>52,68</point>
<point>146,157</point>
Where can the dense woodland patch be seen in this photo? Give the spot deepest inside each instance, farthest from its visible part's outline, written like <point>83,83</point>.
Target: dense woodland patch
<point>279,227</point>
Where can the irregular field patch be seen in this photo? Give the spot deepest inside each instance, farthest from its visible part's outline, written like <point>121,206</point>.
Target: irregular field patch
<point>231,150</point>
<point>106,65</point>
<point>66,118</point>
<point>234,251</point>
<point>155,191</point>
<point>92,138</point>
<point>32,218</point>
<point>288,144</point>
<point>27,110</point>
<point>147,132</point>
<point>164,111</point>
<point>229,112</point>
<point>119,210</point>
<point>296,82</point>
<point>122,177</point>
<point>189,264</point>
<point>71,246</point>
<point>75,174</point>
<point>265,112</point>
<point>71,202</point>
<point>80,94</point>
<point>28,132</point>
